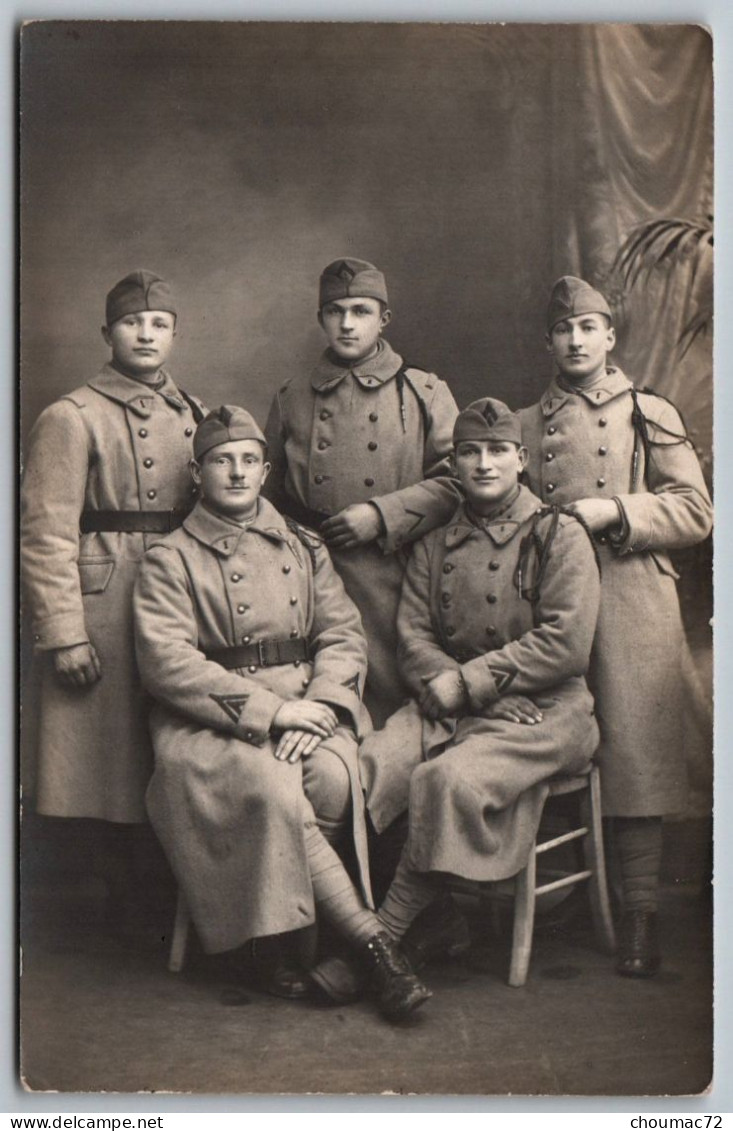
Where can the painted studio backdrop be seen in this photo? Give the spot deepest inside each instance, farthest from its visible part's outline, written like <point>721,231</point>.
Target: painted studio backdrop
<point>473,163</point>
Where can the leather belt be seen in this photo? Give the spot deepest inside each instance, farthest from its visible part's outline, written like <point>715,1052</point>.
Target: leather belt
<point>129,522</point>
<point>261,653</point>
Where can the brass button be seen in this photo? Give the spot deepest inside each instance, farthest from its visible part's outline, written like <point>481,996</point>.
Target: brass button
<point>549,457</point>
<point>550,488</point>
<point>252,668</point>
<point>551,430</point>
<point>603,539</point>
<point>248,735</point>
<point>374,417</point>
<point>152,494</point>
<point>246,639</point>
<point>491,630</point>
<point>293,633</point>
<point>286,569</point>
<point>601,482</point>
<point>445,598</point>
<point>491,598</point>
<point>293,600</point>
<point>372,445</point>
<point>188,431</point>
<point>322,445</point>
<point>143,433</point>
<point>319,479</point>
<point>324,414</point>
<point>306,682</point>
<point>602,422</point>
<point>602,451</point>
<point>447,567</point>
<point>147,462</point>
<point>493,565</point>
<point>242,609</point>
<point>236,577</point>
<point>369,482</point>
<point>296,663</point>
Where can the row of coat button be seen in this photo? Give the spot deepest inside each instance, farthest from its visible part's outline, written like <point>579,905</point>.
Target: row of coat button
<point>368,482</point>
<point>143,432</point>
<point>325,414</point>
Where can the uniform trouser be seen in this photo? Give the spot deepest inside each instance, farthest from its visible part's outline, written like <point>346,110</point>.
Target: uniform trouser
<point>327,786</point>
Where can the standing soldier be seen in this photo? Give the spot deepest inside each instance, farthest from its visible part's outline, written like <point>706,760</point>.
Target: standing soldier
<point>255,655</point>
<point>359,450</point>
<point>620,459</point>
<point>107,471</point>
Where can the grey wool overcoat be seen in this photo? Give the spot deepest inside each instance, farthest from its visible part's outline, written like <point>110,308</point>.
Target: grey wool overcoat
<point>511,604</point>
<point>229,815</point>
<point>113,444</point>
<point>585,444</point>
<point>378,432</point>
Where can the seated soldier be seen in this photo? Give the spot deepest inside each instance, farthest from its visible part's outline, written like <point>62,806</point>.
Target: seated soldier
<point>256,657</point>
<point>496,623</point>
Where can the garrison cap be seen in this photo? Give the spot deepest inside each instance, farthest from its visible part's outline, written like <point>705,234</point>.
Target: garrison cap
<point>487,419</point>
<point>571,297</point>
<point>228,422</point>
<point>351,278</point>
<point>140,290</point>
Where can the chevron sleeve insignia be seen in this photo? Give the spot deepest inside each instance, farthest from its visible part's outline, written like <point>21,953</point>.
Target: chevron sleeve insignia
<point>353,684</point>
<point>231,705</point>
<point>417,515</point>
<point>502,678</point>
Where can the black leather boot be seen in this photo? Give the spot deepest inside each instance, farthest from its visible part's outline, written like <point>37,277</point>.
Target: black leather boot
<point>638,951</point>
<point>395,986</point>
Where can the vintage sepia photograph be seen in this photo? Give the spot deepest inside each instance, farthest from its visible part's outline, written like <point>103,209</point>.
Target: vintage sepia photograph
<point>366,408</point>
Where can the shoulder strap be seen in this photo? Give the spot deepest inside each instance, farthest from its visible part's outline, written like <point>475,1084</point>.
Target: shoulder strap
<point>534,551</point>
<point>306,537</point>
<point>193,404</point>
<point>402,379</point>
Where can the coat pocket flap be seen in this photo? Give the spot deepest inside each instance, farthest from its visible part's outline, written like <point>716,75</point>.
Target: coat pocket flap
<point>95,575</point>
<point>664,565</point>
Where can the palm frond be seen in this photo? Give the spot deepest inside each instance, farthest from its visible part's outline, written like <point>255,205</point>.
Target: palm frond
<point>657,242</point>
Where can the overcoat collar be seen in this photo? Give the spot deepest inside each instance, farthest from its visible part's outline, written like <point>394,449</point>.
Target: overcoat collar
<point>501,530</point>
<point>136,395</point>
<point>380,368</point>
<point>611,385</point>
<point>223,536</point>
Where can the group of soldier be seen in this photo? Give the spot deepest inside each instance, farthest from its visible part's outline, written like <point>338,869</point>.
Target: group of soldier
<point>378,613</point>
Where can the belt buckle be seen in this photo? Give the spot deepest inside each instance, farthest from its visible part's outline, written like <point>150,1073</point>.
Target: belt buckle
<point>261,656</point>
<point>268,653</point>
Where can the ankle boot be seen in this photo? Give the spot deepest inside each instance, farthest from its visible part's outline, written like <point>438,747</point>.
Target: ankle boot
<point>638,951</point>
<point>397,989</point>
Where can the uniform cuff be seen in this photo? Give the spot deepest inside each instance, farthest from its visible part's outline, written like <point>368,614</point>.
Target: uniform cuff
<point>480,684</point>
<point>61,631</point>
<point>341,698</point>
<point>256,719</point>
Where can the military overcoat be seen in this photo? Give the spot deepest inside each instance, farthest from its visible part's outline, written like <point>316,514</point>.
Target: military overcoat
<point>585,444</point>
<point>478,598</point>
<point>230,817</point>
<point>377,432</point>
<point>114,444</point>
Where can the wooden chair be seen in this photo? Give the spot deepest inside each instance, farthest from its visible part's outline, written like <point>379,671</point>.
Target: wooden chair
<point>526,887</point>
<point>181,928</point>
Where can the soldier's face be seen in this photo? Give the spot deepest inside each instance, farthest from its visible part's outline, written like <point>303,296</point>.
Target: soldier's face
<point>488,471</point>
<point>141,343</point>
<point>230,477</point>
<point>353,326</point>
<point>580,346</point>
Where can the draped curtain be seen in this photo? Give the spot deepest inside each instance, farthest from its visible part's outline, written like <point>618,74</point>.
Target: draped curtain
<point>632,110</point>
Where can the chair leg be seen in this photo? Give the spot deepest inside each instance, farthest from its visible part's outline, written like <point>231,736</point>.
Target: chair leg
<point>595,862</point>
<point>524,906</point>
<point>181,927</point>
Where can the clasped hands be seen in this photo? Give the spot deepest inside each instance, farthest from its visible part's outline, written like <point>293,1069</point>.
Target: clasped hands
<point>446,695</point>
<point>304,724</point>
